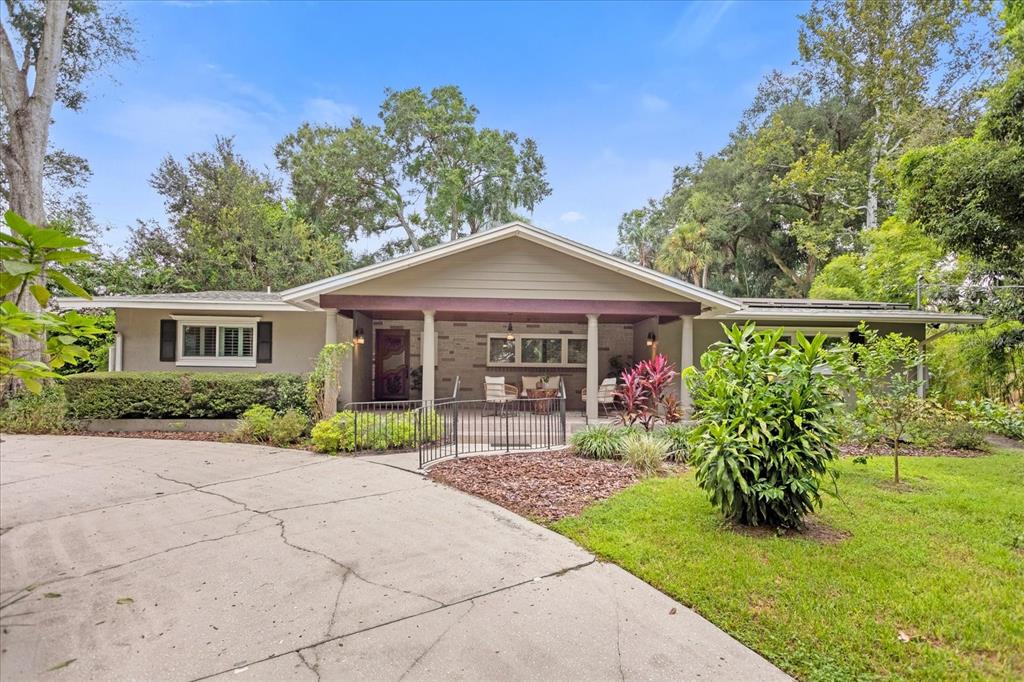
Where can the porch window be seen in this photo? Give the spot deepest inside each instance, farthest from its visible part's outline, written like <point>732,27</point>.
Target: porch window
<point>538,350</point>
<point>217,342</point>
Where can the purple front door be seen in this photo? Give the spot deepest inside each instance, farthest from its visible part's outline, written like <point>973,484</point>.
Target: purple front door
<point>391,363</point>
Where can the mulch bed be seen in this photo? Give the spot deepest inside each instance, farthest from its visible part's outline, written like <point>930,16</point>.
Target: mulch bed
<point>540,485</point>
<point>881,450</point>
<point>156,435</point>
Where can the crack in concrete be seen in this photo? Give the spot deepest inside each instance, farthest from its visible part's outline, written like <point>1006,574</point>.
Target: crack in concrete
<point>472,605</point>
<point>163,495</point>
<point>35,586</point>
<point>553,574</point>
<point>313,667</point>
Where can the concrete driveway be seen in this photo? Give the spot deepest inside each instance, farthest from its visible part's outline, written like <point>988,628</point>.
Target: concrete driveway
<point>144,559</point>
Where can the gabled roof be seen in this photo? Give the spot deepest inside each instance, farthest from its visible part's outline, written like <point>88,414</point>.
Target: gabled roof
<point>310,292</point>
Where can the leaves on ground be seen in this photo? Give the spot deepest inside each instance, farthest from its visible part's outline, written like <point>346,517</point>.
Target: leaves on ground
<point>125,600</point>
<point>544,485</point>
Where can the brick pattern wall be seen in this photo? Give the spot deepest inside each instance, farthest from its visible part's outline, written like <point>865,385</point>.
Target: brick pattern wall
<point>462,352</point>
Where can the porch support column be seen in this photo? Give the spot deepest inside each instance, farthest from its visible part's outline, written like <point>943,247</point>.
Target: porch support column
<point>921,373</point>
<point>345,335</point>
<point>686,360</point>
<point>593,380</point>
<point>428,355</point>
<point>118,353</point>
<point>331,385</point>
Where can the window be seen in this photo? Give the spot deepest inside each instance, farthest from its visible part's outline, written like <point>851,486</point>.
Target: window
<point>538,350</point>
<point>217,342</point>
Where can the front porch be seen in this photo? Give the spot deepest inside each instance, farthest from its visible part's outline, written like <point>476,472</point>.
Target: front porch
<point>402,352</point>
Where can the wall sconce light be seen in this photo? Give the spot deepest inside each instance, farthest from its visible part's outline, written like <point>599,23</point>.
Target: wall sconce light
<point>509,336</point>
<point>359,339</point>
<point>651,338</point>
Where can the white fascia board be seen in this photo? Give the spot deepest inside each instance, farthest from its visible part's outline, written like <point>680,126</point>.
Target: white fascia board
<point>895,316</point>
<point>531,233</point>
<point>175,304</point>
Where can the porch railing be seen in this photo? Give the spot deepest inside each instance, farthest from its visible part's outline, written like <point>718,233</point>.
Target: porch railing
<point>374,422</point>
<point>452,427</point>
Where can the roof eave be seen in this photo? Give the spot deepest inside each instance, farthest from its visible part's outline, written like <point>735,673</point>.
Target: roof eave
<point>127,302</point>
<point>831,315</point>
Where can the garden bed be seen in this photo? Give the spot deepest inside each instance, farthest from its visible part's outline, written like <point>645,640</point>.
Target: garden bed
<point>882,450</point>
<point>541,485</point>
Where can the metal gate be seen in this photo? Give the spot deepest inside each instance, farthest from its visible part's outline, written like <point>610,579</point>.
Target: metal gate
<point>451,427</point>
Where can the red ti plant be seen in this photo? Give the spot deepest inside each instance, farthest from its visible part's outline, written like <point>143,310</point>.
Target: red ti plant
<point>643,394</point>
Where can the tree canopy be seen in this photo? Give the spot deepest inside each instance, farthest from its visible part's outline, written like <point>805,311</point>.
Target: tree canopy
<point>426,171</point>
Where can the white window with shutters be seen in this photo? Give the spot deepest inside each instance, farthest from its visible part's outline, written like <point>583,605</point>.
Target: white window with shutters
<point>216,341</point>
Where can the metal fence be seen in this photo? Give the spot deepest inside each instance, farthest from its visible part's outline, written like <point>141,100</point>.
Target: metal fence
<point>380,424</point>
<point>453,427</point>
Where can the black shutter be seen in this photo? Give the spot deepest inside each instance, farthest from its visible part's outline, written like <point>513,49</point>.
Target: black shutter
<point>264,342</point>
<point>168,340</point>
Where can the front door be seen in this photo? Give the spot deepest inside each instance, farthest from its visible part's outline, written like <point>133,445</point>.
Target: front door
<point>391,364</point>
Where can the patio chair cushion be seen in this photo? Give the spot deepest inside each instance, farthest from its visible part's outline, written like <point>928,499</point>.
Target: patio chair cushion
<point>496,390</point>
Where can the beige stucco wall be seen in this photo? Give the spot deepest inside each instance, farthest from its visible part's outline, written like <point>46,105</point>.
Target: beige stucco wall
<point>513,268</point>
<point>298,338</point>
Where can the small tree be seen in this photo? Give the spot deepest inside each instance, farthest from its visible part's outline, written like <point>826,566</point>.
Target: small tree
<point>27,254</point>
<point>766,430</point>
<point>887,387</point>
<point>644,396</point>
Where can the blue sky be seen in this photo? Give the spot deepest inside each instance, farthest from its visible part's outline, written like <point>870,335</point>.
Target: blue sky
<point>616,95</point>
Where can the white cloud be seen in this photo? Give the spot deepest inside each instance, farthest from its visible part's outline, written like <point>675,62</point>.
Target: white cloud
<point>696,24</point>
<point>653,103</point>
<point>571,217</point>
<point>324,110</point>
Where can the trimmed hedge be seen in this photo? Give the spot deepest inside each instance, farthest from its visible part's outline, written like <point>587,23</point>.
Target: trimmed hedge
<point>176,395</point>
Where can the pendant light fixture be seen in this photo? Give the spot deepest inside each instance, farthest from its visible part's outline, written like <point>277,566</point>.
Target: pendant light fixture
<point>509,335</point>
<point>651,339</point>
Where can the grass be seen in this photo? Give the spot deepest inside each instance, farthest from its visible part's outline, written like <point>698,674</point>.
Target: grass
<point>940,562</point>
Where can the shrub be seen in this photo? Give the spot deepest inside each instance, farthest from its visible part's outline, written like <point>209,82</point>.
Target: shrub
<point>288,428</point>
<point>645,452</point>
<point>678,436</point>
<point>766,425</point>
<point>176,395</point>
<point>322,386</point>
<point>643,397</point>
<point>44,412</point>
<point>254,424</point>
<point>992,415</point>
<point>347,431</point>
<point>598,442</point>
<point>945,428</point>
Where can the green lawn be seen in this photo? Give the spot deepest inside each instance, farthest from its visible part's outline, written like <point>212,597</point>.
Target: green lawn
<point>936,563</point>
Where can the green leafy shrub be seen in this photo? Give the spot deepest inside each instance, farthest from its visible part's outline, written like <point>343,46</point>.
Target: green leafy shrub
<point>288,428</point>
<point>43,412</point>
<point>678,436</point>
<point>254,424</point>
<point>177,395</point>
<point>347,431</point>
<point>945,428</point>
<point>992,415</point>
<point>602,441</point>
<point>766,425</point>
<point>645,452</point>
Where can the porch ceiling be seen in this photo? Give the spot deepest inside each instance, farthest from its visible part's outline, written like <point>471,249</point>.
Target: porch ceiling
<point>499,309</point>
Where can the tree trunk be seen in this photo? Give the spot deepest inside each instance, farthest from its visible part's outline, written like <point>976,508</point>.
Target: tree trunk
<point>24,150</point>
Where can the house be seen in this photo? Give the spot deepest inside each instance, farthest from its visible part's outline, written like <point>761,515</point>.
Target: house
<point>513,301</point>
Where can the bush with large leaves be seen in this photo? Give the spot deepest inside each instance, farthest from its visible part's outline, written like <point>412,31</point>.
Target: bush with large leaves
<point>31,254</point>
<point>766,432</point>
